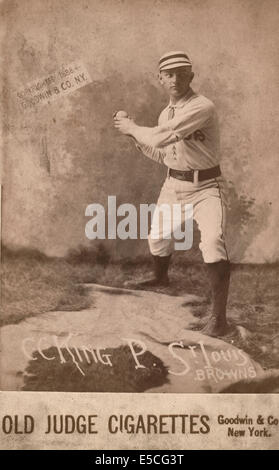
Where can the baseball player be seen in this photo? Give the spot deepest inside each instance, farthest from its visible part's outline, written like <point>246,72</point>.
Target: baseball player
<point>186,140</point>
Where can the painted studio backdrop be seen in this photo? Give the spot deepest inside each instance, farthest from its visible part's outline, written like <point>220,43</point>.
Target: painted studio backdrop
<point>61,152</point>
<point>69,321</point>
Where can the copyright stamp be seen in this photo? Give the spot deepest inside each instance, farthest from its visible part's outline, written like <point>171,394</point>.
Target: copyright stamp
<point>46,89</point>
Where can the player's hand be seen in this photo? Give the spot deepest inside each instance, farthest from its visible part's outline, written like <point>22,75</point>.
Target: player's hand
<point>124,124</point>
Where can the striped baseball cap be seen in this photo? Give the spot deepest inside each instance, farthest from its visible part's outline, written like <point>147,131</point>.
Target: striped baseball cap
<point>174,59</point>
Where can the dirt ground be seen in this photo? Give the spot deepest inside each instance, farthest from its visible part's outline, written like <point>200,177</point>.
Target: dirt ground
<point>33,284</point>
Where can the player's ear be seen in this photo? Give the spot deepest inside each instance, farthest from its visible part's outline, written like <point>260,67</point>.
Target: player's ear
<point>192,76</point>
<point>160,78</point>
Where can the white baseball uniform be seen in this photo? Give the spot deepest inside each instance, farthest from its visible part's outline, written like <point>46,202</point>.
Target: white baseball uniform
<point>187,138</point>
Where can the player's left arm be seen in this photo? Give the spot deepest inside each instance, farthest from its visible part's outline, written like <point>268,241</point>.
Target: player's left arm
<point>196,115</point>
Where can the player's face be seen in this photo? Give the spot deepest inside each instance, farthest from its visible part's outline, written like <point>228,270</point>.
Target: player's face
<point>176,81</point>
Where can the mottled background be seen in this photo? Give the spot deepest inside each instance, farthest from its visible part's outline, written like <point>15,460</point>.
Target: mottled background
<point>62,156</point>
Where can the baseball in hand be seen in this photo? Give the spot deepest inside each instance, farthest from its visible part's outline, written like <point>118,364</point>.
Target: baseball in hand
<point>121,114</point>
<point>123,123</point>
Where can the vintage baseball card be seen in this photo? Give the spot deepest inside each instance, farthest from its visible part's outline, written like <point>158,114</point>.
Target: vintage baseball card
<point>139,225</point>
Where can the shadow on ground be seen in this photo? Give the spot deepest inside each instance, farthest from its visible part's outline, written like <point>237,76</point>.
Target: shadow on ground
<point>77,375</point>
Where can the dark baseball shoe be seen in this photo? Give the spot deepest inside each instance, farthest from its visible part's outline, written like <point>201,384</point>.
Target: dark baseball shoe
<point>215,327</point>
<point>158,279</point>
<point>147,282</point>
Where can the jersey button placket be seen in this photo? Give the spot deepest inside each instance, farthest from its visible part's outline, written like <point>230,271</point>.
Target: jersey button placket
<point>170,116</point>
<point>174,152</point>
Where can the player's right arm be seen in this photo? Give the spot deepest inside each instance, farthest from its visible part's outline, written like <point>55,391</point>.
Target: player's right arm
<point>151,152</point>
<point>156,154</point>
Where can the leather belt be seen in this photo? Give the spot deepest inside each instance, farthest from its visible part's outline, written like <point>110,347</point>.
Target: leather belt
<point>189,174</point>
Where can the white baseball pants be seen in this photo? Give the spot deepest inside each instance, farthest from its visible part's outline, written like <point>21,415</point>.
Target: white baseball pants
<point>209,211</point>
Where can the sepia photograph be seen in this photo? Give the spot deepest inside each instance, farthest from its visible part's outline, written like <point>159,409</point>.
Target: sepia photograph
<point>139,216</point>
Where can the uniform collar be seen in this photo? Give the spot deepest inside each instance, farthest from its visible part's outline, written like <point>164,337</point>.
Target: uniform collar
<point>182,100</point>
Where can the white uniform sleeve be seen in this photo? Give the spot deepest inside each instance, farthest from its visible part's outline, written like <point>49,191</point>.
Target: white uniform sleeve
<point>195,116</point>
<point>151,152</point>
